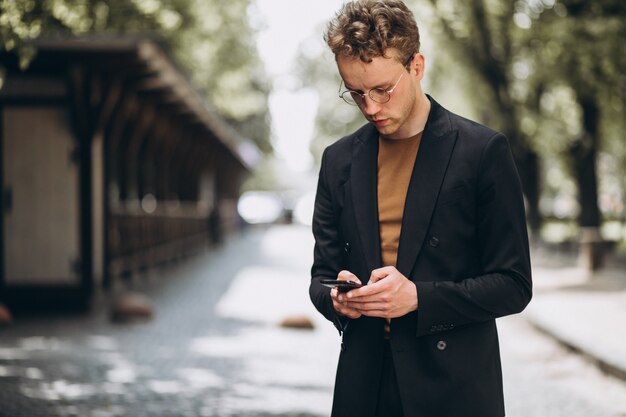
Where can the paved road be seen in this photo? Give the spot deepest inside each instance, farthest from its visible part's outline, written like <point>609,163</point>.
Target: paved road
<point>214,349</point>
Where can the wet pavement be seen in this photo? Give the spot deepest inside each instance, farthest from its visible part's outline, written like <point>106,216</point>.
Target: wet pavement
<point>211,350</point>
<point>214,348</point>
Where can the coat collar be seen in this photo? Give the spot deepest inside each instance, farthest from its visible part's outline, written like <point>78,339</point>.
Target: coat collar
<point>363,179</point>
<point>429,171</point>
<point>430,167</point>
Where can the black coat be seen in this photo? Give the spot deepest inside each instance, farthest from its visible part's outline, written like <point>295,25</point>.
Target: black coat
<point>463,243</point>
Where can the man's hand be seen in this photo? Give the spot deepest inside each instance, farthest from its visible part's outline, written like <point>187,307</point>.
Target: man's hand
<point>389,294</point>
<point>339,299</point>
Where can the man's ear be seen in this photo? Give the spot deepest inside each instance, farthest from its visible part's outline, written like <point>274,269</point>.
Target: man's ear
<point>417,63</point>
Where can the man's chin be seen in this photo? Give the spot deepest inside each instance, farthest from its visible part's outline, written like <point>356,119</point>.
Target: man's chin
<point>385,130</point>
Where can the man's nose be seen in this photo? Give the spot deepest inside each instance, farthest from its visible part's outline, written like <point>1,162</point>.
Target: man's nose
<point>369,106</point>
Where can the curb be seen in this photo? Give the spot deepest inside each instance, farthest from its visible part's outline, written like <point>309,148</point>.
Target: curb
<point>605,366</point>
<point>584,313</point>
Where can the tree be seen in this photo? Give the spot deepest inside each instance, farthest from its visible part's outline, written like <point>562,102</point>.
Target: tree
<point>483,36</point>
<point>581,45</point>
<point>212,40</point>
<point>220,53</point>
<point>550,75</point>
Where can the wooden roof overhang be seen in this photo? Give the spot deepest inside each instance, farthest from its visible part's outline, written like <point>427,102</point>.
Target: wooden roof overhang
<point>143,65</point>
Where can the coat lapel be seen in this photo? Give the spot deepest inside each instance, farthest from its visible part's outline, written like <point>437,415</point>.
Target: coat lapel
<point>363,179</point>
<point>428,173</point>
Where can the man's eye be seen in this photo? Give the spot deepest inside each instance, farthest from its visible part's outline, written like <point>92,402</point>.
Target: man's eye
<point>379,92</point>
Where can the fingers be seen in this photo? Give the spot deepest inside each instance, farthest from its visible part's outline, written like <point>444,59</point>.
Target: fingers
<point>372,289</point>
<point>366,304</point>
<point>370,309</point>
<point>382,273</point>
<point>346,311</point>
<point>389,294</point>
<point>347,276</point>
<point>339,304</point>
<point>366,294</point>
<point>385,295</point>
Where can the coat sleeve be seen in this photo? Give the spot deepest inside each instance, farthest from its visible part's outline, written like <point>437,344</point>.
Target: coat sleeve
<point>504,284</point>
<point>327,253</point>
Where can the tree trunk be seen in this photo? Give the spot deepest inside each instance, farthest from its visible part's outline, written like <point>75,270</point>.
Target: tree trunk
<point>527,160</point>
<point>491,62</point>
<point>584,153</point>
<point>528,166</point>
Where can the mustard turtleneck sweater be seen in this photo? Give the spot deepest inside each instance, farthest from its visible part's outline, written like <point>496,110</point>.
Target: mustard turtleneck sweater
<point>396,158</point>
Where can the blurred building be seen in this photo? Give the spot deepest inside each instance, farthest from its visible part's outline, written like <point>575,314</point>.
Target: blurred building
<point>110,163</point>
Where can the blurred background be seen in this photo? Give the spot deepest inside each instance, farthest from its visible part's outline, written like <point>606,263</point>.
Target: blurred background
<point>159,158</point>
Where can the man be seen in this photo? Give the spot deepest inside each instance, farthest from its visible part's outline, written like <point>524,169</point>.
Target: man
<point>425,209</point>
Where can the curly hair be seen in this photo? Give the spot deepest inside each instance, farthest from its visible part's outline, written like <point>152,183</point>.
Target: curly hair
<point>368,28</point>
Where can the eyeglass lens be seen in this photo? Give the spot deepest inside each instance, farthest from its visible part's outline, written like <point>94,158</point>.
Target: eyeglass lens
<point>378,95</point>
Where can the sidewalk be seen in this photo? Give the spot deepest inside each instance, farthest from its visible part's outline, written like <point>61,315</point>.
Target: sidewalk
<point>585,312</point>
<point>214,348</point>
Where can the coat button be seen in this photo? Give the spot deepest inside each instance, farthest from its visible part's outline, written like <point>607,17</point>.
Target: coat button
<point>434,242</point>
<point>442,345</point>
<point>346,247</point>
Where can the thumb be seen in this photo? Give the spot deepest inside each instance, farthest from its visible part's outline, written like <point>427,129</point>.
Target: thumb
<point>348,276</point>
<point>379,274</point>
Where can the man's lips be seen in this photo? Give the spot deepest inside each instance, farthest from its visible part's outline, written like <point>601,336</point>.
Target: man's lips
<point>380,122</point>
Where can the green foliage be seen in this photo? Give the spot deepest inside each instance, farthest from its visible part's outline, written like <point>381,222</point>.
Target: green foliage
<point>221,55</point>
<point>530,68</point>
<point>210,39</point>
<point>578,50</point>
<point>538,70</point>
<point>317,69</point>
<point>24,20</point>
<point>572,56</point>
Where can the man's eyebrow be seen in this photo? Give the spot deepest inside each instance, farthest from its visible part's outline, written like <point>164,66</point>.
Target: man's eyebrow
<point>345,84</point>
<point>381,86</point>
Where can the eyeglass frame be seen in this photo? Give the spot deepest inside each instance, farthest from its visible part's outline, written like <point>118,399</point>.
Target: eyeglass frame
<point>368,94</point>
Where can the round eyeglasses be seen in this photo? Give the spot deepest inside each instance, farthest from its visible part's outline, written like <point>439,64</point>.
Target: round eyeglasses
<point>378,95</point>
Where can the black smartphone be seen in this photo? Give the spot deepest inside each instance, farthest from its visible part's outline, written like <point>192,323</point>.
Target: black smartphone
<point>342,286</point>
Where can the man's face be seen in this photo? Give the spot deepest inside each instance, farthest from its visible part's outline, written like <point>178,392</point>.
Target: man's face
<point>394,119</point>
